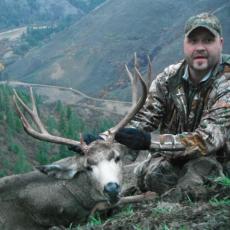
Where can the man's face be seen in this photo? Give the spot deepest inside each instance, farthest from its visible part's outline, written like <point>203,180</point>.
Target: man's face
<point>202,49</point>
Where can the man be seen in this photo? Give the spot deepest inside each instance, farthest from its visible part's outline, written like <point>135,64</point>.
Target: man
<point>189,106</point>
<point>189,103</point>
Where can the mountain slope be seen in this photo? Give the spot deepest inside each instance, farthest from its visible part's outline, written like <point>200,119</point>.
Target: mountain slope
<point>20,13</point>
<point>90,54</point>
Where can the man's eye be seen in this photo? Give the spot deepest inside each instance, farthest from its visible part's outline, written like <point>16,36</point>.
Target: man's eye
<point>208,40</point>
<point>192,40</point>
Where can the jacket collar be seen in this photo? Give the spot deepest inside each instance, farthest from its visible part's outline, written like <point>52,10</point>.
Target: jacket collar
<point>175,80</point>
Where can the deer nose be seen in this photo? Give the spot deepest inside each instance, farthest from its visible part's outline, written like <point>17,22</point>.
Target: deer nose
<point>112,189</point>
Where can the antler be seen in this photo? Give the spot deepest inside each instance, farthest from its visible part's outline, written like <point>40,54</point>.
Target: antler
<point>134,78</point>
<point>150,73</point>
<point>42,133</point>
<point>135,108</point>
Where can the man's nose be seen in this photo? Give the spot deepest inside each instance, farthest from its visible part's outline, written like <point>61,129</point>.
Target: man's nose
<point>200,46</point>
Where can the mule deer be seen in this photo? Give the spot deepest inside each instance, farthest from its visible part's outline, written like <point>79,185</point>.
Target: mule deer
<point>68,190</point>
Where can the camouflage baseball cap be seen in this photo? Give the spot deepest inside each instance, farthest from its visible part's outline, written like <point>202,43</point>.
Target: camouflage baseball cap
<point>206,20</point>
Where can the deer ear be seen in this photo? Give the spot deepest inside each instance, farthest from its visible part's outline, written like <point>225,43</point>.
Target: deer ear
<point>63,169</point>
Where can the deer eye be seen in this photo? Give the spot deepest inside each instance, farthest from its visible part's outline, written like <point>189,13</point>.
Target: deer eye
<point>117,159</point>
<point>89,164</point>
<point>114,156</point>
<point>89,168</point>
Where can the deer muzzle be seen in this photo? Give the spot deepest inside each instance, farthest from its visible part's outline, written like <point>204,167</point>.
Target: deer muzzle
<point>112,191</point>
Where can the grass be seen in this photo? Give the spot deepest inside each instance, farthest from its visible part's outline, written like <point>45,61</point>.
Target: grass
<point>164,227</point>
<point>95,219</point>
<point>219,202</point>
<point>138,227</point>
<point>223,181</point>
<point>189,200</point>
<point>128,210</point>
<point>163,210</point>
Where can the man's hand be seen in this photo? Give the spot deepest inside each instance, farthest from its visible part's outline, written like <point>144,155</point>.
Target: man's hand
<point>87,138</point>
<point>133,138</point>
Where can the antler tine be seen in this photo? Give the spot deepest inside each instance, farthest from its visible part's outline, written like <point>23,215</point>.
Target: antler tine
<point>135,108</point>
<point>42,134</point>
<point>33,113</point>
<point>136,64</point>
<point>133,81</point>
<point>149,74</point>
<point>133,78</point>
<point>25,123</point>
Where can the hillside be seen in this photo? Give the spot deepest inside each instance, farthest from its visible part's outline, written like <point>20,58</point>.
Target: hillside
<point>26,12</point>
<point>90,54</point>
<point>28,24</point>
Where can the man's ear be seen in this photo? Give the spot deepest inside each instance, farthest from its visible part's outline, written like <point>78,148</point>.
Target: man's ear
<point>66,168</point>
<point>222,41</point>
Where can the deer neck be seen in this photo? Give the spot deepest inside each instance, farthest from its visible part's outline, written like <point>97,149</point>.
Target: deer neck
<point>84,190</point>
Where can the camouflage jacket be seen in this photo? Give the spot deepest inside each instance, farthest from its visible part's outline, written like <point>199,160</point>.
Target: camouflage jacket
<point>196,117</point>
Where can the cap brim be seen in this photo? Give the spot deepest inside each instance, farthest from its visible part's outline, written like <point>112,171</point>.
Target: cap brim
<point>215,33</point>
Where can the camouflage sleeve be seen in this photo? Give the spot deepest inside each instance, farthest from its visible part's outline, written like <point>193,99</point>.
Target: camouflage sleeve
<point>212,134</point>
<point>214,130</point>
